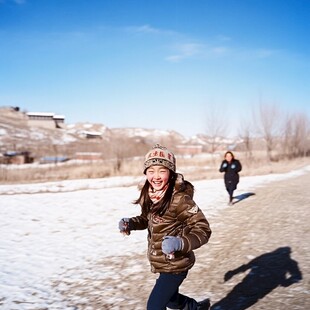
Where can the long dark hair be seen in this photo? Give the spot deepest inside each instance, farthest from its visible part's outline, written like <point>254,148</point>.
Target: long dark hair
<point>159,208</point>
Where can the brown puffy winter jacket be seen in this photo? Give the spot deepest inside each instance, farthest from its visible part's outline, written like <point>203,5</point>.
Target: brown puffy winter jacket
<point>184,219</point>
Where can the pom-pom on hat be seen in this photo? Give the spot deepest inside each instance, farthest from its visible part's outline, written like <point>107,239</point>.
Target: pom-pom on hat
<point>159,156</point>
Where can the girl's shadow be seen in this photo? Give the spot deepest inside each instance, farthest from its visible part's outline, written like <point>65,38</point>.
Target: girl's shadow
<point>266,272</point>
<point>242,197</point>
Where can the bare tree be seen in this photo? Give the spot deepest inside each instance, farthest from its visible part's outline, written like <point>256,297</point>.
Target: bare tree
<point>123,148</point>
<point>267,120</point>
<point>245,133</point>
<point>216,127</point>
<point>287,136</point>
<point>296,135</point>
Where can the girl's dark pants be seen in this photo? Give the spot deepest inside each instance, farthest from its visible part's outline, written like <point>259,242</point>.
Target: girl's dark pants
<point>166,293</point>
<point>230,187</point>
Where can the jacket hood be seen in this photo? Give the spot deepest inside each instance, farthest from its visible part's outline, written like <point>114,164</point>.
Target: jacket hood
<point>182,185</point>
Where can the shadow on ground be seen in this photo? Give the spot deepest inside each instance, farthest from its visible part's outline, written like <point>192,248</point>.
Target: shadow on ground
<point>242,197</point>
<point>266,272</point>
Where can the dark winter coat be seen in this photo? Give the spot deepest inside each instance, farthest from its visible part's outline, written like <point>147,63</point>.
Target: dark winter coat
<point>183,218</point>
<point>231,169</point>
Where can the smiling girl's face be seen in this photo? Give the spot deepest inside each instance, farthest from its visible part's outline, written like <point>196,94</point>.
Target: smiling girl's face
<point>158,176</point>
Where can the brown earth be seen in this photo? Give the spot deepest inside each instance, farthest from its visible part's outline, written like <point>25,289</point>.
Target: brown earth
<point>263,240</point>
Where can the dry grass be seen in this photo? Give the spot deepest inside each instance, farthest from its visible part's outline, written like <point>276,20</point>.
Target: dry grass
<point>199,169</point>
<point>68,171</point>
<point>193,168</point>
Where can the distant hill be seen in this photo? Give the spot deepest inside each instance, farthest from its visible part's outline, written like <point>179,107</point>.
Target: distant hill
<point>17,135</point>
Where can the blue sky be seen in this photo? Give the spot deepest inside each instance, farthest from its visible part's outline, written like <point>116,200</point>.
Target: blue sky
<point>164,64</point>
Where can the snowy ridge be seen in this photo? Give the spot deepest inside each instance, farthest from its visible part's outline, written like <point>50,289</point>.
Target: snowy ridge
<point>68,185</point>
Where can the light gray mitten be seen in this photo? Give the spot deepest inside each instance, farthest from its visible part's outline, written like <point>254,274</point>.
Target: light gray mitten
<point>171,244</point>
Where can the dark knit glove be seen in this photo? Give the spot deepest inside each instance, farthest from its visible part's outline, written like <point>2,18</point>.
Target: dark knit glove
<point>171,244</point>
<point>125,226</point>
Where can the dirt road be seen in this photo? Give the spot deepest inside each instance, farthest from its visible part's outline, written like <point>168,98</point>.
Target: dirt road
<point>264,240</point>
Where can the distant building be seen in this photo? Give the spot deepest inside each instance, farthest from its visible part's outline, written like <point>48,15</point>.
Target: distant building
<point>189,149</point>
<point>92,134</point>
<point>46,120</point>
<point>88,156</point>
<point>16,158</point>
<point>53,159</point>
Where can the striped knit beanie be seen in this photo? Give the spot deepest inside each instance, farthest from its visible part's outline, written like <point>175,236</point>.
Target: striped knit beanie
<point>160,156</point>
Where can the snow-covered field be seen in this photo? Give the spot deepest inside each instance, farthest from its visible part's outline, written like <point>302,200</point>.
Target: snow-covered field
<point>47,229</point>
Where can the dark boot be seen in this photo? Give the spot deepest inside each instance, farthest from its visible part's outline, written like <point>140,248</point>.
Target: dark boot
<point>204,304</point>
